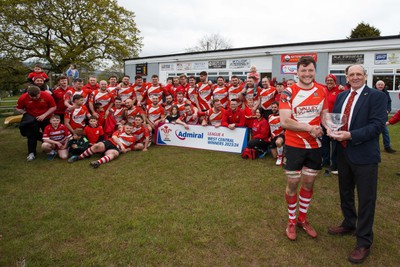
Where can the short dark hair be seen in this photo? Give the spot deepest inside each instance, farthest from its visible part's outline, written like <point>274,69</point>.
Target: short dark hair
<point>76,97</point>
<point>78,80</point>
<point>154,76</point>
<point>56,117</point>
<point>203,73</point>
<point>113,76</point>
<point>61,77</point>
<point>93,118</point>
<point>117,98</point>
<point>33,90</point>
<point>305,61</point>
<point>137,77</point>
<point>78,131</point>
<point>97,105</point>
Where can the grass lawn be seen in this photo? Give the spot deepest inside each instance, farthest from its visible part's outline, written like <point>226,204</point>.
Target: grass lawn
<point>175,207</point>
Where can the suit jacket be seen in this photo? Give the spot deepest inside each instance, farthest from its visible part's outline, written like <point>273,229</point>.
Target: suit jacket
<point>367,122</point>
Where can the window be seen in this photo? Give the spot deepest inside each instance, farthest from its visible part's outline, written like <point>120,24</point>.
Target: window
<point>340,76</point>
<point>389,76</point>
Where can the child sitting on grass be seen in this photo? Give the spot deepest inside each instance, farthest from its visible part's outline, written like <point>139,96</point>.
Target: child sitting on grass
<point>77,144</point>
<point>55,138</point>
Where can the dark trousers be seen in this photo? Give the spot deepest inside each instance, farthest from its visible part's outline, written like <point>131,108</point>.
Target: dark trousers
<point>258,144</point>
<point>328,152</point>
<point>365,179</point>
<point>35,133</point>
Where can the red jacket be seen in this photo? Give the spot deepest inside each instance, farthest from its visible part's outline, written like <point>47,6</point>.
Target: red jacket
<point>237,117</point>
<point>261,129</point>
<point>395,118</point>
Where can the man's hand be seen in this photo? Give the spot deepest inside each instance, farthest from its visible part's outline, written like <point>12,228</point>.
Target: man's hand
<point>341,136</point>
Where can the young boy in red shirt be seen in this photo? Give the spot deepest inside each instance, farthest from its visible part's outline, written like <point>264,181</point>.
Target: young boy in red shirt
<point>55,137</point>
<point>93,131</point>
<point>37,71</point>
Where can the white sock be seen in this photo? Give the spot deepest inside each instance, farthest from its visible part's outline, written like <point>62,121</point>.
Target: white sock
<point>280,151</point>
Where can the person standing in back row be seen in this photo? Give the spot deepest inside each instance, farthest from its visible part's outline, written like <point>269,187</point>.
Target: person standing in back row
<point>380,85</point>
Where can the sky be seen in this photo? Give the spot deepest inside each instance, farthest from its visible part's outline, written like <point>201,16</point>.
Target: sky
<point>169,27</point>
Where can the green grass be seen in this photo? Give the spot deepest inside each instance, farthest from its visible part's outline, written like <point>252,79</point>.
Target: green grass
<point>172,207</point>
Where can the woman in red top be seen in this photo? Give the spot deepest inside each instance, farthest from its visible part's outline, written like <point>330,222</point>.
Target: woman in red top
<point>260,133</point>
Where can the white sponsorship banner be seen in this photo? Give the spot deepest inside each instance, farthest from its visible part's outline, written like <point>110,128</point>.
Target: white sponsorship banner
<point>239,63</point>
<point>183,66</point>
<point>167,67</point>
<point>203,137</point>
<point>203,65</point>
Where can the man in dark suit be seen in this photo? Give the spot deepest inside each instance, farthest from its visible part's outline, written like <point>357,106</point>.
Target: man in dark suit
<point>358,155</point>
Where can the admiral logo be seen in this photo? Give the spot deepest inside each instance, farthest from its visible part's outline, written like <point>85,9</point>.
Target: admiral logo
<point>183,135</point>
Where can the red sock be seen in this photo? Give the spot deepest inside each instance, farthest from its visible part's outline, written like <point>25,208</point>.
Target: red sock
<point>104,159</point>
<point>304,202</point>
<point>292,206</point>
<point>88,152</point>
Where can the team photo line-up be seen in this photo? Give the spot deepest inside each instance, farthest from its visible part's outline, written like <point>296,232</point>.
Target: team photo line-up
<point>289,119</point>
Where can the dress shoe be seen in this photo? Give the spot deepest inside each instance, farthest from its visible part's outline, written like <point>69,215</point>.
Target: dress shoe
<point>340,230</point>
<point>389,150</point>
<point>358,255</point>
<point>398,174</point>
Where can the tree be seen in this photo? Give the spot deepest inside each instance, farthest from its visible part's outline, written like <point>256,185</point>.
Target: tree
<point>211,42</point>
<point>116,69</point>
<point>13,76</point>
<point>60,32</point>
<point>364,30</point>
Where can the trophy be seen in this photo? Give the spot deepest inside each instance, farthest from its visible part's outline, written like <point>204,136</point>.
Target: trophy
<point>334,121</point>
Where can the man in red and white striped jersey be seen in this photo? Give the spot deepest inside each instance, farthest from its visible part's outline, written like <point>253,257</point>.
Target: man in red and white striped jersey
<point>301,109</point>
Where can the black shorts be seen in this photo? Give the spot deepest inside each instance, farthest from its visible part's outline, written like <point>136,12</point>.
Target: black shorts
<point>297,158</point>
<point>273,141</point>
<point>109,145</point>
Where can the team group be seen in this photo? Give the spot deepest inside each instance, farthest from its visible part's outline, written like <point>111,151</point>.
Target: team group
<point>124,116</point>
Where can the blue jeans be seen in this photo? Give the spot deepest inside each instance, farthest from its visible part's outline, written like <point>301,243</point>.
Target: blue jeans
<point>386,137</point>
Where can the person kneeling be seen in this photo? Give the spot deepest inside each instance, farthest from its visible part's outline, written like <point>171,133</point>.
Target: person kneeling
<point>260,129</point>
<point>55,137</point>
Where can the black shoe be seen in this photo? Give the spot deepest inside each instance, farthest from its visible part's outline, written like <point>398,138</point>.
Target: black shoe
<point>398,174</point>
<point>389,150</point>
<point>326,173</point>
<point>94,164</point>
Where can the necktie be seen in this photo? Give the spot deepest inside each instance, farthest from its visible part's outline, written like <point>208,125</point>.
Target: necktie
<point>347,113</point>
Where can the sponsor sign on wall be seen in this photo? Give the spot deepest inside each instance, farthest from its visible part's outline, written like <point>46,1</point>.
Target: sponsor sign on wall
<point>209,137</point>
<point>294,58</point>
<point>141,69</point>
<point>200,65</point>
<point>217,64</point>
<point>348,59</point>
<point>239,63</point>
<point>167,67</point>
<point>387,58</point>
<point>288,69</point>
<point>183,66</point>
